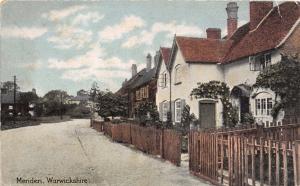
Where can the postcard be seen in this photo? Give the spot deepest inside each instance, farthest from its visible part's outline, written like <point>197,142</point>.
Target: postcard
<point>150,93</point>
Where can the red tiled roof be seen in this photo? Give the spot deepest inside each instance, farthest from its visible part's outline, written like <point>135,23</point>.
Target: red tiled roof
<point>165,52</point>
<point>267,35</point>
<point>202,49</point>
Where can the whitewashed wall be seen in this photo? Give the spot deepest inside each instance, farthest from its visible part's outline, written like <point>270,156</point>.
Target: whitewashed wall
<point>239,72</point>
<point>163,93</point>
<point>191,74</point>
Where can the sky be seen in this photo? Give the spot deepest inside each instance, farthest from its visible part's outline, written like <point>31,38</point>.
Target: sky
<point>68,45</point>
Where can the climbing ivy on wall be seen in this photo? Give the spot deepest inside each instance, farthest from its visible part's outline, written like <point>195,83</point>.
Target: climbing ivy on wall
<point>284,79</point>
<point>218,90</point>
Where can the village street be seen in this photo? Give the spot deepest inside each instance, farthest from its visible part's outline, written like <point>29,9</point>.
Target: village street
<point>73,149</point>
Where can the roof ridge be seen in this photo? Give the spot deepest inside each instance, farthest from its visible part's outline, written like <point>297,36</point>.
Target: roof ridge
<point>267,15</point>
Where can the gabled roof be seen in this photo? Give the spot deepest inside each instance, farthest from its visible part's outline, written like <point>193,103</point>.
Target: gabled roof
<point>141,78</point>
<point>147,77</point>
<point>202,49</point>
<point>269,33</point>
<point>165,52</point>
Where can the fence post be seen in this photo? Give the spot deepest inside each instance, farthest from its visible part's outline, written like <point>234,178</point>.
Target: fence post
<point>296,160</point>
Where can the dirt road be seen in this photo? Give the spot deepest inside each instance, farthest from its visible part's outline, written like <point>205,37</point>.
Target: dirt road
<point>73,152</point>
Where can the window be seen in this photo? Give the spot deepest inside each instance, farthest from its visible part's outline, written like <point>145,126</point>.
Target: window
<point>146,91</point>
<point>257,106</point>
<point>269,106</point>
<point>165,111</point>
<point>260,62</point>
<point>165,80</point>
<point>263,106</point>
<point>142,93</point>
<point>178,111</point>
<point>177,77</point>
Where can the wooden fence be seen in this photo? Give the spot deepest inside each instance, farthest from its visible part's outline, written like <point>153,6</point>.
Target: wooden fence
<point>163,142</point>
<point>241,157</point>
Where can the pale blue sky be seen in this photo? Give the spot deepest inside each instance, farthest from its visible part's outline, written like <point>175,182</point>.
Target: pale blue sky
<point>68,45</point>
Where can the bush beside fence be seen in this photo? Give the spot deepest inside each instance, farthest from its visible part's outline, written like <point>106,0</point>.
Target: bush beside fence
<point>166,143</point>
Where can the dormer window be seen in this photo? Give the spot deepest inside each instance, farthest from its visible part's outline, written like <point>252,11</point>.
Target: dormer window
<point>260,62</point>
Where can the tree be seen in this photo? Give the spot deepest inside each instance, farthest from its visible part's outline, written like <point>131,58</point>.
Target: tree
<point>282,78</point>
<point>9,86</point>
<point>28,97</point>
<point>109,104</point>
<point>52,102</point>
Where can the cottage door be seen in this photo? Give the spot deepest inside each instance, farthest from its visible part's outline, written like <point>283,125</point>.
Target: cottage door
<point>207,114</point>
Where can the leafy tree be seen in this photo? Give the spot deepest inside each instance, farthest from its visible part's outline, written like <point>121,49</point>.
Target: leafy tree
<point>9,86</point>
<point>28,97</point>
<point>284,79</point>
<point>109,104</point>
<point>52,102</point>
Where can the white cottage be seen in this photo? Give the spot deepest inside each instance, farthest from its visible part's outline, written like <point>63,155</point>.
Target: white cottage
<point>236,60</point>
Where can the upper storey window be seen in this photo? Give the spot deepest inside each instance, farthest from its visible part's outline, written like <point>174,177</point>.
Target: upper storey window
<point>260,62</point>
<point>178,74</point>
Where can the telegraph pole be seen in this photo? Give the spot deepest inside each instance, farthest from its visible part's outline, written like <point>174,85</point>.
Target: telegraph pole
<point>15,92</point>
<point>61,117</point>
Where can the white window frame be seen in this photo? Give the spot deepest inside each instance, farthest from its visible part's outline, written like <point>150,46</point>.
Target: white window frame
<point>263,106</point>
<point>260,62</point>
<point>178,109</point>
<point>177,78</point>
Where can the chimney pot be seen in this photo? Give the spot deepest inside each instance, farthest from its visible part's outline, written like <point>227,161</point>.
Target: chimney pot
<point>232,18</point>
<point>258,10</point>
<point>133,69</point>
<point>213,33</point>
<point>148,60</point>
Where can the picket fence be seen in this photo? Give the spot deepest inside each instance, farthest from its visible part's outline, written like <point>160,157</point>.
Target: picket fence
<point>252,156</point>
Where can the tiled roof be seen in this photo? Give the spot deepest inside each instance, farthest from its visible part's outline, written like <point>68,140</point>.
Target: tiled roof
<point>268,35</point>
<point>202,49</point>
<point>165,52</point>
<point>271,31</point>
<point>145,78</point>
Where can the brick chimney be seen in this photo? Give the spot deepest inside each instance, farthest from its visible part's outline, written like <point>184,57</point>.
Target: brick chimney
<point>133,70</point>
<point>258,10</point>
<point>232,18</point>
<point>213,33</point>
<point>148,60</point>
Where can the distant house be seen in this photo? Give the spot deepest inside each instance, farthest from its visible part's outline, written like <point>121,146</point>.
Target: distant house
<point>236,59</point>
<point>81,98</point>
<point>141,87</point>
